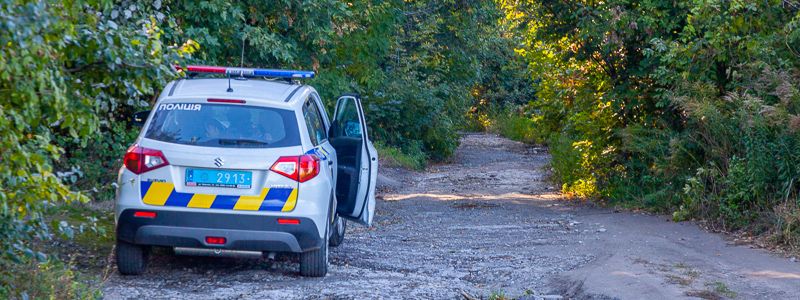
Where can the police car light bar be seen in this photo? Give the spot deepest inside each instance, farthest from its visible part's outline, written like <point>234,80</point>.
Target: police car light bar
<point>248,72</point>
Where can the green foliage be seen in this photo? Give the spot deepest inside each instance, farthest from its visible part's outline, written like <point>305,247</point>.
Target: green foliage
<point>413,62</point>
<point>518,126</point>
<point>410,157</point>
<point>90,229</point>
<point>689,107</point>
<point>68,71</point>
<point>49,279</point>
<point>498,295</point>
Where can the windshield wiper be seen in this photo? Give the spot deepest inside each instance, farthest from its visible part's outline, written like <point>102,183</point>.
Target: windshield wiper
<point>241,142</point>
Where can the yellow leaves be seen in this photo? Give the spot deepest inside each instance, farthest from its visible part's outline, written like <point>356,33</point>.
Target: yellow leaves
<point>511,13</point>
<point>189,47</point>
<point>584,144</point>
<point>582,188</point>
<point>475,91</point>
<point>610,150</point>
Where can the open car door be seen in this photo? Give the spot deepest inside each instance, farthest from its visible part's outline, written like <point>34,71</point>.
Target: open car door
<point>357,158</point>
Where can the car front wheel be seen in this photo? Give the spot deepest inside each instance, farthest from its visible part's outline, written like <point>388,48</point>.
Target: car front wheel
<point>337,232</point>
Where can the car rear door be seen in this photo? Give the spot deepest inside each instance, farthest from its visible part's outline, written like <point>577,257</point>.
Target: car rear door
<point>357,161</point>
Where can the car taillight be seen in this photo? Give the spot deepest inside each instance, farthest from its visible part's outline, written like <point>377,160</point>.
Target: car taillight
<point>299,168</point>
<point>139,159</point>
<point>309,167</point>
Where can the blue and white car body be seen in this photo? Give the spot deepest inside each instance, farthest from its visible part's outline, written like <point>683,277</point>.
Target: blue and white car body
<point>244,164</point>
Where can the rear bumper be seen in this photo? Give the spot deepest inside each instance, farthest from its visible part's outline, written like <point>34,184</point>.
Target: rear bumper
<point>242,232</point>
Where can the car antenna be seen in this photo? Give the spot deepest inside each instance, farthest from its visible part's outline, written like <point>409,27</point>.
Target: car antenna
<point>241,65</point>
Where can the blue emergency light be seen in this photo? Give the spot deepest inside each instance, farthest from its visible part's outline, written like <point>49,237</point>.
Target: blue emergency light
<point>249,72</point>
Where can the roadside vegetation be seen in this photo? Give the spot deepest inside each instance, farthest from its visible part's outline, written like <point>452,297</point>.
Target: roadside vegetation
<point>411,157</point>
<point>73,72</point>
<point>681,107</point>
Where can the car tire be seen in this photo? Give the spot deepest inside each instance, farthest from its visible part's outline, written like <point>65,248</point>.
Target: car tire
<point>314,263</point>
<point>131,259</point>
<point>338,230</point>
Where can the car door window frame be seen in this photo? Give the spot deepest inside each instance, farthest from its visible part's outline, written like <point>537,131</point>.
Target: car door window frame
<point>326,123</point>
<point>310,111</point>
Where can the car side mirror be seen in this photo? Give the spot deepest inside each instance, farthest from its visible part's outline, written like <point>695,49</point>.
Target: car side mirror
<point>140,117</point>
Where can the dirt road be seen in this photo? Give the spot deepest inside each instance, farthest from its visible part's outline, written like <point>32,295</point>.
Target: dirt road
<point>488,223</point>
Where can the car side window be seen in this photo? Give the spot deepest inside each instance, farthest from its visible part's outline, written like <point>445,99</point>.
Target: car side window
<point>347,117</point>
<point>314,123</point>
<point>323,114</point>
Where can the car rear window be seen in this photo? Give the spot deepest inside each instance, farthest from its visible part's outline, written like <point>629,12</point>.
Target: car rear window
<point>224,125</point>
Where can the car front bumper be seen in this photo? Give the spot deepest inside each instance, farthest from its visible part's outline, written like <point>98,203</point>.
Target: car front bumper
<point>242,232</point>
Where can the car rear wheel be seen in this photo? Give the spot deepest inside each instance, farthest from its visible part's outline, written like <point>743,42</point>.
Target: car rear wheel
<point>314,263</point>
<point>337,234</point>
<point>131,259</point>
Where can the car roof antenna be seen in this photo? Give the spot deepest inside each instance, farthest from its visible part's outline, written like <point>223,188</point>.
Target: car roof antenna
<point>241,64</point>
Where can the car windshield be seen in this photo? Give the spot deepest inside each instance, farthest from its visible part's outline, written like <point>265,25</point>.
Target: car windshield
<point>222,125</point>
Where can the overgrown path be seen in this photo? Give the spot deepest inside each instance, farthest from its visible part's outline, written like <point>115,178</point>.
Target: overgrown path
<point>489,222</point>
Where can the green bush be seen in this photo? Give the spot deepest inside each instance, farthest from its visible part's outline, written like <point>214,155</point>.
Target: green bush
<point>684,107</point>
<point>48,279</point>
<point>68,70</point>
<point>413,70</point>
<point>411,157</point>
<point>517,126</point>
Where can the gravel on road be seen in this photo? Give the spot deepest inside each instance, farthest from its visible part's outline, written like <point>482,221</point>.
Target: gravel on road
<point>487,223</point>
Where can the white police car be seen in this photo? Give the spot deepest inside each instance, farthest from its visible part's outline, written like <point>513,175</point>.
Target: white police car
<point>244,164</point>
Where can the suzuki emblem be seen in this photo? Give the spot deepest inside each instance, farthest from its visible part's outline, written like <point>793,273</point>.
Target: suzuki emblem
<point>219,162</point>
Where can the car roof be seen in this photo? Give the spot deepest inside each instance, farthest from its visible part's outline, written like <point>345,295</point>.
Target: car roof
<point>272,92</point>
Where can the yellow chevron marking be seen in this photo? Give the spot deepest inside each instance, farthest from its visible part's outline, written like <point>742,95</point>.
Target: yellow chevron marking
<point>158,193</point>
<point>251,202</point>
<point>291,201</point>
<point>201,201</point>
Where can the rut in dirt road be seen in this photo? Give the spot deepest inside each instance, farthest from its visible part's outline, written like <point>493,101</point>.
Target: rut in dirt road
<point>488,222</point>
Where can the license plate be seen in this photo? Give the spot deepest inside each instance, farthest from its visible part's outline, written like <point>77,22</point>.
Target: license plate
<point>219,178</point>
